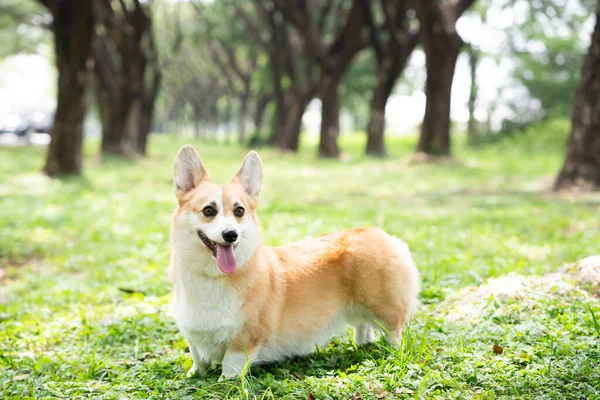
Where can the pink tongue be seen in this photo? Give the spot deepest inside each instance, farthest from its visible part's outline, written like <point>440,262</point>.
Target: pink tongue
<point>226,259</point>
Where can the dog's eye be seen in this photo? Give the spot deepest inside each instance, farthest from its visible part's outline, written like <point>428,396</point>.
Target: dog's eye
<point>209,211</point>
<point>239,212</point>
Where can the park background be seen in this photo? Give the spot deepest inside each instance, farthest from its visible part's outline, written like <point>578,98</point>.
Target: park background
<point>470,129</point>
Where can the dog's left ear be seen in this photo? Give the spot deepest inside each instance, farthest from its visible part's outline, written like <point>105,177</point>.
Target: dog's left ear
<point>250,174</point>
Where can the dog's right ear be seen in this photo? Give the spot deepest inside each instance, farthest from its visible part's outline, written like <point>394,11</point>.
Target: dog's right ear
<point>188,170</point>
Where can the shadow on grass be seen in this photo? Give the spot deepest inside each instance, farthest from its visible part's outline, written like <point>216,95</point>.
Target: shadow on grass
<point>336,358</point>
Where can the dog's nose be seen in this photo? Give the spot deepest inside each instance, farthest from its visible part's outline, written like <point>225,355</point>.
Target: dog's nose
<point>230,235</point>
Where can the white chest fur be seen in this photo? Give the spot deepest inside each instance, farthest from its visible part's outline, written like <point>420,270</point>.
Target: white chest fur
<point>208,313</point>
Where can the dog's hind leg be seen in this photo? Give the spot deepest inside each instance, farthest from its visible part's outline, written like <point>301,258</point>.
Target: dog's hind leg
<point>363,334</point>
<point>394,339</point>
<point>392,324</point>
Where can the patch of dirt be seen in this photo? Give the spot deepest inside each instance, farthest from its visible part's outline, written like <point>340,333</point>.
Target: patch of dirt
<point>9,268</point>
<point>585,272</point>
<point>424,158</point>
<point>472,302</point>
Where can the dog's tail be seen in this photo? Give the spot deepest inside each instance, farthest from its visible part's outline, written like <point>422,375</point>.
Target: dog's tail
<point>411,273</point>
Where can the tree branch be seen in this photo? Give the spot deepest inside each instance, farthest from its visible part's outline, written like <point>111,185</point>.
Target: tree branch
<point>253,26</point>
<point>374,38</point>
<point>298,15</point>
<point>49,4</point>
<point>233,62</point>
<point>463,5</point>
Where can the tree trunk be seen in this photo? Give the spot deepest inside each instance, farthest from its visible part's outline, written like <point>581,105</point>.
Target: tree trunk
<point>330,118</point>
<point>582,164</point>
<point>242,118</point>
<point>435,130</point>
<point>197,120</point>
<point>148,107</point>
<point>116,104</point>
<point>127,78</point>
<point>392,51</point>
<point>442,45</point>
<point>472,133</point>
<point>279,118</point>
<point>73,32</point>
<point>259,111</point>
<point>111,115</point>
<point>387,77</point>
<point>289,138</point>
<point>376,124</point>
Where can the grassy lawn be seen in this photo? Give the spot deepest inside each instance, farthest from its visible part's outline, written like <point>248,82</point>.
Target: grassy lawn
<point>84,303</point>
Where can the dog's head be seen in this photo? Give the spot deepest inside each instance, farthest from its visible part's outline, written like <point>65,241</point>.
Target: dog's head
<point>216,225</point>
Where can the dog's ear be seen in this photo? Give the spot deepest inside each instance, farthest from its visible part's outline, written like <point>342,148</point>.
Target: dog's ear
<point>250,174</point>
<point>188,170</point>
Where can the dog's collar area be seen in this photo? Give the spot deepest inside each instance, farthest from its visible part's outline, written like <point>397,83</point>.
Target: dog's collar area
<point>209,243</point>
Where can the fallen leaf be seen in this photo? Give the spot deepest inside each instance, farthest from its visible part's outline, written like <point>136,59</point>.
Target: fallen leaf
<point>382,394</point>
<point>498,349</point>
<point>311,397</point>
<point>378,389</point>
<point>403,391</point>
<point>21,377</point>
<point>356,396</point>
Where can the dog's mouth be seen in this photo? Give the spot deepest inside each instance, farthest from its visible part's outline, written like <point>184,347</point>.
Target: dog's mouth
<point>212,246</point>
<point>223,253</point>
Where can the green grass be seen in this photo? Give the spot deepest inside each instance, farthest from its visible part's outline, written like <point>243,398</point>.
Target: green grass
<point>68,247</point>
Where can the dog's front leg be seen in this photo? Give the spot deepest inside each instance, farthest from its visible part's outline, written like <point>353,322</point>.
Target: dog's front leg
<point>235,360</point>
<point>199,364</point>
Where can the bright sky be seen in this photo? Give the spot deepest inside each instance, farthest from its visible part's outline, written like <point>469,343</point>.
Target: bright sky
<point>27,84</point>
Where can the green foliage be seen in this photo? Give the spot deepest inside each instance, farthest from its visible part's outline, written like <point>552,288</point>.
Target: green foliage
<point>549,42</point>
<point>357,86</point>
<point>84,304</point>
<point>204,48</point>
<point>23,27</point>
<point>549,135</point>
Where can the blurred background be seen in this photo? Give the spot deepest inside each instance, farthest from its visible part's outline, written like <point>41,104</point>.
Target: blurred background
<point>276,73</point>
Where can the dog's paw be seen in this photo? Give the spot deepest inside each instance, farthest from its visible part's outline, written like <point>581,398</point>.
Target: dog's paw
<point>192,372</point>
<point>200,370</point>
<point>225,375</point>
<point>364,334</point>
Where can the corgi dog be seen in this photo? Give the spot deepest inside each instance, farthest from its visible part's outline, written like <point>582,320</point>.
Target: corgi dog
<point>239,302</point>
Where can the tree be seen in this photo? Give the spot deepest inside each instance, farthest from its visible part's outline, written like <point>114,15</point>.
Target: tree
<point>548,49</point>
<point>127,75</point>
<point>333,57</point>
<point>472,130</point>
<point>393,43</point>
<point>442,44</point>
<point>192,87</point>
<point>28,20</point>
<point>72,25</point>
<point>582,164</point>
<point>239,58</point>
<point>294,82</point>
